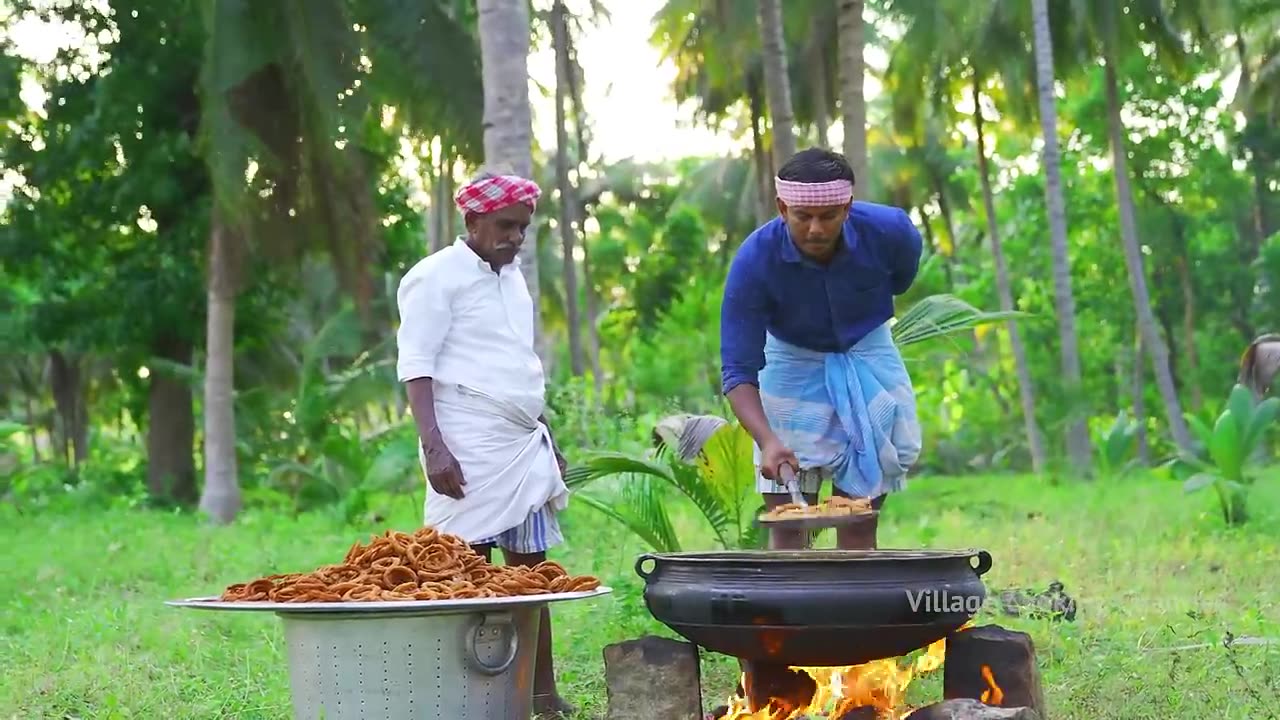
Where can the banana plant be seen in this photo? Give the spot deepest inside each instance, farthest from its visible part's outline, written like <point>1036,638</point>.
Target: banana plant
<point>1115,445</point>
<point>1228,447</point>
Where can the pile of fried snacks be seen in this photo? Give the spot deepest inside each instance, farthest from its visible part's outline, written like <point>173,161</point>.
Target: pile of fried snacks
<point>833,507</point>
<point>425,565</point>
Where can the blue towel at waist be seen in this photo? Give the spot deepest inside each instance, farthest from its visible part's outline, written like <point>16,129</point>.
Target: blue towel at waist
<point>853,412</point>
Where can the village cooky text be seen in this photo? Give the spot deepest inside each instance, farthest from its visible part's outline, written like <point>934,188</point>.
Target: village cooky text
<point>941,601</point>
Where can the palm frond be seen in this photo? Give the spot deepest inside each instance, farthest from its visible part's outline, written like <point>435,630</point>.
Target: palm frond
<point>940,315</point>
<point>290,87</point>
<point>640,508</point>
<point>408,44</point>
<point>239,47</point>
<point>689,481</point>
<point>610,464</point>
<point>638,474</point>
<point>325,52</point>
<point>728,469</point>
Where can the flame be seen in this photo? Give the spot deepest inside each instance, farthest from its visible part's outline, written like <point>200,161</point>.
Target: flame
<point>993,695</point>
<point>881,684</point>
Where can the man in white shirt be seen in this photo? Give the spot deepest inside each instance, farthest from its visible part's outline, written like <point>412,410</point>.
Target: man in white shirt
<point>476,388</point>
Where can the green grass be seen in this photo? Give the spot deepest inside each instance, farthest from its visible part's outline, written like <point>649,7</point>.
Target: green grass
<point>84,633</point>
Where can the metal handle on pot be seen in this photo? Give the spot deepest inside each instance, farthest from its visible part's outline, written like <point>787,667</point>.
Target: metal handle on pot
<point>984,563</point>
<point>513,644</point>
<point>640,561</point>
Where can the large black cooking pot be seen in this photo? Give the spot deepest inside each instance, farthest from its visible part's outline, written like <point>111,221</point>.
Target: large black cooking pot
<point>814,607</point>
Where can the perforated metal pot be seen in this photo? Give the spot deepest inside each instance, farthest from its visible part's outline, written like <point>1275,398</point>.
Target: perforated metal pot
<point>368,666</point>
<point>466,659</point>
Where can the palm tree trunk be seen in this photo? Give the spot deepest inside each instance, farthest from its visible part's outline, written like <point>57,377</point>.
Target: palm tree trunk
<point>853,104</point>
<point>944,208</point>
<point>171,427</point>
<point>1257,165</point>
<point>588,284</point>
<point>568,196</point>
<point>442,217</point>
<point>508,119</point>
<point>932,242</point>
<point>28,388</point>
<point>1035,441</point>
<point>777,85</point>
<point>450,187</point>
<point>1078,445</point>
<point>759,154</point>
<point>66,384</point>
<point>818,64</point>
<point>1154,345</point>
<point>220,497</point>
<point>1192,377</point>
<point>1138,387</point>
<point>435,238</point>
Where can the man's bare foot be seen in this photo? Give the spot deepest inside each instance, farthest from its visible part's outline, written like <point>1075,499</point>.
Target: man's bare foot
<point>552,707</point>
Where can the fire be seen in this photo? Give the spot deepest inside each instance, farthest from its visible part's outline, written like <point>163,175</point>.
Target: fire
<point>993,695</point>
<point>880,684</point>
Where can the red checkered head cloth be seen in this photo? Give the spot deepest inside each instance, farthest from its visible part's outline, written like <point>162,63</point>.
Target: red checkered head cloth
<point>820,194</point>
<point>490,193</point>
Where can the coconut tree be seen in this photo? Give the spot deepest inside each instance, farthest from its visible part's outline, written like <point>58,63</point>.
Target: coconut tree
<point>590,301</point>
<point>853,68</point>
<point>1078,443</point>
<point>776,83</point>
<point>1106,31</point>
<point>286,100</point>
<point>508,119</point>
<point>717,49</point>
<point>564,184</point>
<point>934,63</point>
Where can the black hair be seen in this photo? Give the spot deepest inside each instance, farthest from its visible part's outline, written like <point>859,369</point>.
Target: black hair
<point>816,165</point>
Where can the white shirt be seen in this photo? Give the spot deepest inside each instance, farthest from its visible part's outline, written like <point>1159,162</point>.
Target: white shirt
<point>463,323</point>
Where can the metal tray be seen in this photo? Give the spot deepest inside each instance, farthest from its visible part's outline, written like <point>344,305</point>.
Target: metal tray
<point>388,606</point>
<point>818,522</point>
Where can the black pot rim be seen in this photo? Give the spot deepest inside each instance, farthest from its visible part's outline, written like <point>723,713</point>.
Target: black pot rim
<point>757,559</point>
<point>754,557</point>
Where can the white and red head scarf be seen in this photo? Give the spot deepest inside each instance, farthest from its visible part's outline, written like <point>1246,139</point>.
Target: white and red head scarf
<point>802,194</point>
<point>491,193</point>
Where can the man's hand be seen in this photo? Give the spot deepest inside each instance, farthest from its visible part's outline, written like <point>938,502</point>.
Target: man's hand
<point>443,471</point>
<point>772,456</point>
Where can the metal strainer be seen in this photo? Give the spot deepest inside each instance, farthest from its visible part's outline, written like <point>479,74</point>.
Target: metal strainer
<point>474,666</point>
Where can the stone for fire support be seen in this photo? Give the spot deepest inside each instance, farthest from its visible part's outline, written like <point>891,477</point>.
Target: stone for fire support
<point>969,709</point>
<point>653,677</point>
<point>989,655</point>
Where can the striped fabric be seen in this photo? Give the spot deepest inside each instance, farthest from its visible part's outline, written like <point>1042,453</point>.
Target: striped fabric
<point>492,193</point>
<point>823,194</point>
<point>539,532</point>
<point>852,414</point>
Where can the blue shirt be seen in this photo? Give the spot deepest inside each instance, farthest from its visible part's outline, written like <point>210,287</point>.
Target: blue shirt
<point>772,287</point>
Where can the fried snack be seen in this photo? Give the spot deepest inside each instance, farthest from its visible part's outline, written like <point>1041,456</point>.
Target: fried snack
<point>835,506</point>
<point>425,565</point>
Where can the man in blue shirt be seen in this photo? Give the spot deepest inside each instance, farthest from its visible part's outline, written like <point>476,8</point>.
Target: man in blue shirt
<point>808,363</point>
